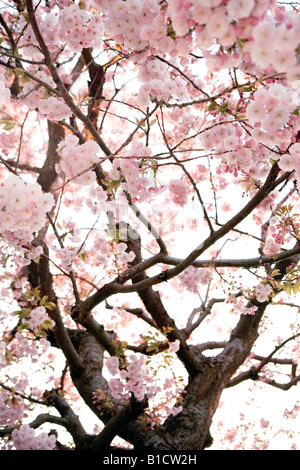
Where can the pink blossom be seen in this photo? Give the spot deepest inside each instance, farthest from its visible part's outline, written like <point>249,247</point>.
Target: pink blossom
<point>264,32</point>
<point>25,438</point>
<point>283,60</point>
<point>256,111</point>
<point>262,291</point>
<point>77,159</point>
<point>287,162</point>
<point>174,347</point>
<point>17,209</point>
<point>192,277</point>
<point>112,364</point>
<point>231,142</point>
<point>179,191</point>
<point>127,257</point>
<point>117,387</point>
<point>4,93</point>
<point>286,38</point>
<point>295,150</point>
<point>239,8</point>
<point>217,24</point>
<point>11,410</point>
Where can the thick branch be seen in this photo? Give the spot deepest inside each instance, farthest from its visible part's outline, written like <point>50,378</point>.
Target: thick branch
<point>155,307</point>
<point>281,386</point>
<point>253,372</point>
<point>48,174</point>
<point>39,275</point>
<point>236,263</point>
<point>69,419</point>
<point>122,418</point>
<point>39,421</point>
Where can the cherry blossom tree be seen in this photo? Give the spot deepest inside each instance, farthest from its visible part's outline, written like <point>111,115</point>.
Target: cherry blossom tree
<point>150,233</point>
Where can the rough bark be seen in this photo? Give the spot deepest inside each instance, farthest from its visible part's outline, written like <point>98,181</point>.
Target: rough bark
<point>48,174</point>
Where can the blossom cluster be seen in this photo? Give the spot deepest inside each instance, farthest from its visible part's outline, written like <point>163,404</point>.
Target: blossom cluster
<point>4,91</point>
<point>24,344</point>
<point>123,256</point>
<point>38,316</point>
<point>129,172</point>
<point>272,245</point>
<point>77,28</point>
<point>291,161</point>
<point>25,438</point>
<point>135,24</point>
<point>229,146</point>
<point>179,191</point>
<point>97,200</point>
<point>224,21</point>
<point>77,159</point>
<point>72,25</point>
<point>11,409</point>
<point>141,25</point>
<point>241,305</point>
<point>270,113</point>
<point>241,21</point>
<point>134,379</point>
<point>283,34</point>
<point>23,206</point>
<point>262,291</point>
<point>54,108</point>
<point>66,257</point>
<point>103,402</point>
<point>191,277</point>
<point>35,98</point>
<point>281,230</point>
<point>157,82</point>
<point>101,249</point>
<point>23,252</point>
<point>137,379</point>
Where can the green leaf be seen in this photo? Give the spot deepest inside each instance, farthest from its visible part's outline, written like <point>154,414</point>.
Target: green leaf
<point>287,287</point>
<point>49,306</point>
<point>43,300</point>
<point>152,347</point>
<point>212,106</point>
<point>296,287</point>
<point>275,272</point>
<point>19,72</point>
<point>46,325</point>
<point>9,126</point>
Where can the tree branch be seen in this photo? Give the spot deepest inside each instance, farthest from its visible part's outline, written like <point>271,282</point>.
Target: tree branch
<point>122,418</point>
<point>39,275</point>
<point>39,421</point>
<point>253,372</point>
<point>281,386</point>
<point>236,263</point>
<point>69,419</point>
